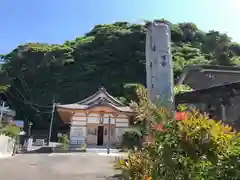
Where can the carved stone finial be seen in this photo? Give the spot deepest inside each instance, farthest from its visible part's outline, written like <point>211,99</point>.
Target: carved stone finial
<point>102,88</point>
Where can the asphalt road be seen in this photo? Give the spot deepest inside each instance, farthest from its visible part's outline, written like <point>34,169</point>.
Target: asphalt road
<point>76,166</point>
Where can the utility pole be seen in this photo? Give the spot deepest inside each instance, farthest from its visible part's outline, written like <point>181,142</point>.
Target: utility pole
<point>29,128</point>
<point>51,122</point>
<point>2,109</point>
<point>109,135</point>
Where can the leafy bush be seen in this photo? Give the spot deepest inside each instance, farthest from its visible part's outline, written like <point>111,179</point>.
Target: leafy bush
<point>130,140</point>
<point>185,149</point>
<point>64,140</point>
<point>9,130</point>
<point>136,167</point>
<point>84,148</point>
<point>181,88</point>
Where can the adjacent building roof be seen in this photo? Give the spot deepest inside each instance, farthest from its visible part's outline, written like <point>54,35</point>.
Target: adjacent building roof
<point>206,94</point>
<point>211,92</point>
<point>100,98</point>
<point>9,112</point>
<point>207,68</point>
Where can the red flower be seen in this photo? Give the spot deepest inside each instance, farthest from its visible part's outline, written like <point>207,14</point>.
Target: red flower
<point>181,116</point>
<point>159,127</point>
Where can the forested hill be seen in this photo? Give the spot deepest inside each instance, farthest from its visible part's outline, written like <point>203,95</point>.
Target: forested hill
<point>111,55</point>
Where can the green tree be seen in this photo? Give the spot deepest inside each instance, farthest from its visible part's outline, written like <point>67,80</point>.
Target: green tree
<point>112,55</point>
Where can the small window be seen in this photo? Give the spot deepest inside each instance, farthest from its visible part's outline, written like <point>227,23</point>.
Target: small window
<point>92,131</point>
<point>105,132</point>
<point>164,57</point>
<point>101,120</point>
<point>154,47</point>
<point>112,131</point>
<point>89,131</point>
<point>210,75</point>
<point>80,133</point>
<point>131,120</point>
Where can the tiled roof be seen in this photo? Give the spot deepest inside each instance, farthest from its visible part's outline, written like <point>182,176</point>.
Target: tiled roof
<point>205,94</point>
<point>72,106</point>
<point>102,92</point>
<point>207,68</point>
<point>85,107</point>
<point>214,67</point>
<point>100,98</point>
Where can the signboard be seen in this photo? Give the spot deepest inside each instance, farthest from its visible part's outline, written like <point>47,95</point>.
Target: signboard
<point>22,133</point>
<point>17,123</point>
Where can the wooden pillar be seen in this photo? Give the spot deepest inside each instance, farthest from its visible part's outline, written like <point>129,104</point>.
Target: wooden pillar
<point>86,130</point>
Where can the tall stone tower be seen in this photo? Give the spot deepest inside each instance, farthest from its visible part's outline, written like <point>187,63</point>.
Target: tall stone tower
<point>159,64</point>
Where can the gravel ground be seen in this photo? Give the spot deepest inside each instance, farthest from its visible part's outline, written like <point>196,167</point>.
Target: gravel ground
<point>75,166</point>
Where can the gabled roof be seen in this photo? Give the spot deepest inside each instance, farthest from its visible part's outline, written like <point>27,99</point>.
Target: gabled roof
<point>207,68</point>
<point>100,98</point>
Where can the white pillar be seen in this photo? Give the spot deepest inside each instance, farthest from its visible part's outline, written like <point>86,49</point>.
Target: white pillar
<point>223,112</point>
<point>159,64</point>
<point>2,109</point>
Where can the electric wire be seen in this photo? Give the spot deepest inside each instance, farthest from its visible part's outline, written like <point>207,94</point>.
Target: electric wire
<point>24,100</point>
<point>27,101</point>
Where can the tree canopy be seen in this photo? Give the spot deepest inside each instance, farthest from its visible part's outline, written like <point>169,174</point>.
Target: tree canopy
<point>112,55</point>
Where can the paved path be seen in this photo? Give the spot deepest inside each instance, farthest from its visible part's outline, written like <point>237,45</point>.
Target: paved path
<point>75,166</point>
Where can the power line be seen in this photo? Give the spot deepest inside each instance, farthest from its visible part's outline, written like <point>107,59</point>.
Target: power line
<point>38,111</point>
<point>27,101</point>
<point>23,81</point>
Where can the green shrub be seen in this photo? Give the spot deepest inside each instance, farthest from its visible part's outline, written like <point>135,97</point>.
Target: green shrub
<point>84,148</point>
<point>9,130</point>
<point>65,141</point>
<point>194,148</point>
<point>137,166</point>
<point>130,140</point>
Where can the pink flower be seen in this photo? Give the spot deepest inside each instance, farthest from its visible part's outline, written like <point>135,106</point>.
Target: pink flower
<point>159,127</point>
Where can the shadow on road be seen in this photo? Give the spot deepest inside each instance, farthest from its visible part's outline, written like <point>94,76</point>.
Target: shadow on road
<point>41,150</point>
<point>115,177</point>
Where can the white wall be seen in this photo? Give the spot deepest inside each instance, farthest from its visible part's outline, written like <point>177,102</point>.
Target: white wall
<point>81,124</point>
<point>6,145</point>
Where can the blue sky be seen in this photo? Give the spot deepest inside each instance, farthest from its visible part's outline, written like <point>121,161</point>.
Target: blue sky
<point>55,21</point>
